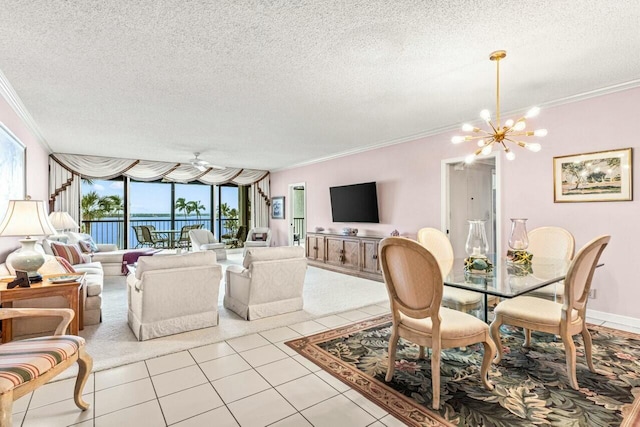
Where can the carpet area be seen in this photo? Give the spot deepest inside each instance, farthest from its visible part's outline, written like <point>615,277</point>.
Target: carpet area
<point>531,387</point>
<point>111,343</point>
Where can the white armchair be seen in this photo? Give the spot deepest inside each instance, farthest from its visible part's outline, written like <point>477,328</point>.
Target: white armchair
<point>268,283</point>
<point>258,237</point>
<point>204,240</point>
<point>169,294</point>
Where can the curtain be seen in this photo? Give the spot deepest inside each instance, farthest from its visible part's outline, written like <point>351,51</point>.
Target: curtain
<point>144,170</point>
<point>64,190</point>
<point>260,203</point>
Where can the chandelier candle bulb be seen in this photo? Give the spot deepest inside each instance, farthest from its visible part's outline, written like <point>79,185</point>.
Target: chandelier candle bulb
<point>498,133</point>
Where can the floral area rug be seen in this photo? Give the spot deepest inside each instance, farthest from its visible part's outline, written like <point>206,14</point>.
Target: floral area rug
<point>531,386</point>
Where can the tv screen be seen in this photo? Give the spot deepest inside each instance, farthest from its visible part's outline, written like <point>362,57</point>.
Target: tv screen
<point>354,203</point>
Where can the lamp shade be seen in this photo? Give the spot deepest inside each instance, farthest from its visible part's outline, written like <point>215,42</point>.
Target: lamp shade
<point>26,218</point>
<point>62,221</point>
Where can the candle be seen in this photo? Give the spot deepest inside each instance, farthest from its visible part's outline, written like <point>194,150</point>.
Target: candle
<point>517,244</point>
<point>476,251</point>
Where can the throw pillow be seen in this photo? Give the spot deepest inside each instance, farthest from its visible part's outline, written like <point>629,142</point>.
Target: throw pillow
<point>85,246</point>
<point>80,237</point>
<point>71,253</point>
<point>259,237</point>
<point>68,268</point>
<point>56,265</point>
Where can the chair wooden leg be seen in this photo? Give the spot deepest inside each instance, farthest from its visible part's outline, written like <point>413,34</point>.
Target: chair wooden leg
<point>421,352</point>
<point>85,363</point>
<point>435,375</point>
<point>570,350</point>
<point>393,345</point>
<point>494,330</point>
<point>489,354</point>
<point>586,338</point>
<point>6,408</point>
<point>527,337</point>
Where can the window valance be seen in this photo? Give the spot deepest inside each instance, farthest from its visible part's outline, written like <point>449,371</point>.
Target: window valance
<point>97,167</point>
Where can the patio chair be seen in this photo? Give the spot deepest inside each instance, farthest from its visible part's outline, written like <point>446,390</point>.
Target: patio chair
<point>153,239</point>
<point>137,229</point>
<point>184,241</point>
<point>235,241</point>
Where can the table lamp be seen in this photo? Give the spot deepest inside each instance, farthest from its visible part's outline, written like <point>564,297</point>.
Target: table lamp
<point>62,222</point>
<point>26,218</point>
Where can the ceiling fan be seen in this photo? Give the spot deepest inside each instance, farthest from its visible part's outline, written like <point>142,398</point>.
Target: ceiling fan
<point>202,165</point>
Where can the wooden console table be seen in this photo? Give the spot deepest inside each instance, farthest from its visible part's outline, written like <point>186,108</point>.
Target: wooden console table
<point>72,291</point>
<point>354,255</point>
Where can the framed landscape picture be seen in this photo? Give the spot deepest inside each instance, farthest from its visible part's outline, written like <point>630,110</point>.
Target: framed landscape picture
<point>277,207</point>
<point>12,169</point>
<point>604,176</point>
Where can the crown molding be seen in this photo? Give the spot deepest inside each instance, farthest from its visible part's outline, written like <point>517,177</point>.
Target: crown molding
<point>453,127</point>
<point>14,101</point>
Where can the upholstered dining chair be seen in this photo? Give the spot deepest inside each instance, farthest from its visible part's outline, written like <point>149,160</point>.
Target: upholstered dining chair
<point>27,364</point>
<point>440,247</point>
<point>414,283</point>
<point>551,242</point>
<point>567,319</point>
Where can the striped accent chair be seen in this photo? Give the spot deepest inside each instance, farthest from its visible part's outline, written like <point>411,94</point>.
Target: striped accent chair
<point>26,365</point>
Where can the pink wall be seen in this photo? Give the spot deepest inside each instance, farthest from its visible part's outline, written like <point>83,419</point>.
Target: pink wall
<point>408,177</point>
<point>37,167</point>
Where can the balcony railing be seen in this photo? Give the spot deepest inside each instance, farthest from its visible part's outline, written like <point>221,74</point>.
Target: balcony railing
<point>112,230</point>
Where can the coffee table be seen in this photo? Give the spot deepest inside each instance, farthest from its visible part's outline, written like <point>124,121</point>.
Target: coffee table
<point>71,290</point>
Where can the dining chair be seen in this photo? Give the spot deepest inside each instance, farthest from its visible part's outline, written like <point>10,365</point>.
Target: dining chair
<point>567,319</point>
<point>551,242</point>
<point>28,364</point>
<point>440,247</point>
<point>414,284</point>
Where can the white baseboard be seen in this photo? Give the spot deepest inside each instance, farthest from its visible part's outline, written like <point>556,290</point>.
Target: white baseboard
<point>615,318</point>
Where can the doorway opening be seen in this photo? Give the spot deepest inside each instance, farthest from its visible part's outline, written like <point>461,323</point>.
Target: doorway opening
<point>297,214</point>
<point>471,192</point>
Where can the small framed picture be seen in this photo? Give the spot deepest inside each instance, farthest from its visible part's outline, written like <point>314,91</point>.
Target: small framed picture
<point>604,176</point>
<point>277,207</point>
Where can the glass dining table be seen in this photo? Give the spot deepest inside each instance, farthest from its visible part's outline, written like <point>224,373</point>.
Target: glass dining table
<point>508,280</point>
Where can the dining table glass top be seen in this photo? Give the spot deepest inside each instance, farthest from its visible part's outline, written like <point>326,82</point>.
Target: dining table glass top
<point>508,280</point>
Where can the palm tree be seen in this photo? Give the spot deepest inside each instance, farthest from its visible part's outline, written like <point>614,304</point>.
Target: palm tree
<point>181,206</point>
<point>92,208</point>
<point>196,207</point>
<point>117,205</point>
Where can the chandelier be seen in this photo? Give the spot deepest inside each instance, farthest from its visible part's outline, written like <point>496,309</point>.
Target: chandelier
<point>498,134</point>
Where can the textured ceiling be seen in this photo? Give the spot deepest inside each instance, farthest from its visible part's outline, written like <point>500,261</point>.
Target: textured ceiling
<point>268,84</point>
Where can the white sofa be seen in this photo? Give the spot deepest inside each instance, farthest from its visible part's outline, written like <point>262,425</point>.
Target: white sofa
<point>204,240</point>
<point>268,283</point>
<point>173,293</point>
<point>92,297</point>
<point>108,254</point>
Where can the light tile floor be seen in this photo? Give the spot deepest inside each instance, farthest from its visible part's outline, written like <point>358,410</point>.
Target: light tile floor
<point>254,380</point>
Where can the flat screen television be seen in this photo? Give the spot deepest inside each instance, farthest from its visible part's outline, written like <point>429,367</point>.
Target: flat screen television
<point>355,203</point>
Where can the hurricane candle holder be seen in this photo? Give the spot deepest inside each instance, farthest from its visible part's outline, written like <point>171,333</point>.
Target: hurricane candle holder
<point>519,242</point>
<point>477,247</point>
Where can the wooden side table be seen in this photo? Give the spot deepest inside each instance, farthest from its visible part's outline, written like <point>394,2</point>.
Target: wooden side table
<point>72,291</point>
